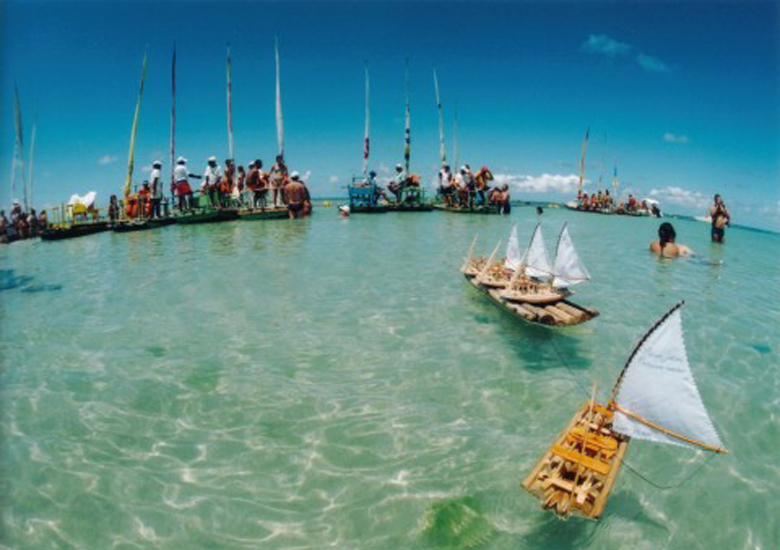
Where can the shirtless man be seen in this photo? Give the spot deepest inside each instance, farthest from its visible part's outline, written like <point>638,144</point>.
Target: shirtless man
<point>295,195</point>
<point>720,219</point>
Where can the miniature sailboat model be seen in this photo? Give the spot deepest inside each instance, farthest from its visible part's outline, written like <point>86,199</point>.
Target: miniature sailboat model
<point>528,284</point>
<point>655,398</point>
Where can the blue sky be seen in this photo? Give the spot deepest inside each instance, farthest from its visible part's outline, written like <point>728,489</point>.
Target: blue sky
<point>683,96</point>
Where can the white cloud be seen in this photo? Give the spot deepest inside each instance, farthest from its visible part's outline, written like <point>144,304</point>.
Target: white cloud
<point>604,45</point>
<point>106,159</point>
<point>772,210</point>
<point>651,64</point>
<point>333,179</point>
<point>680,197</point>
<point>676,138</point>
<point>384,168</point>
<point>147,168</point>
<point>545,183</point>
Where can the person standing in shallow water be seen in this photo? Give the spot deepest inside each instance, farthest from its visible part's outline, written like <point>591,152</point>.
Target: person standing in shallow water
<point>295,194</point>
<point>666,246</point>
<point>278,179</point>
<point>720,219</point>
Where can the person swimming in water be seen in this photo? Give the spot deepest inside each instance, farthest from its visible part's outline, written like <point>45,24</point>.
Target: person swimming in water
<point>666,246</point>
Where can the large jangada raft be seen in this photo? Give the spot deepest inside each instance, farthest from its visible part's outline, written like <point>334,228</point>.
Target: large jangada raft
<point>654,398</point>
<point>528,285</point>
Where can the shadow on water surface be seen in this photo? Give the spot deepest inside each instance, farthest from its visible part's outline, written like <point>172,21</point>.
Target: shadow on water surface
<point>456,523</point>
<point>539,347</point>
<point>553,532</point>
<point>10,281</point>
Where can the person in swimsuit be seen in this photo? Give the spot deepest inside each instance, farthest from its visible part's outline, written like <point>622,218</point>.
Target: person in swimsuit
<point>665,246</point>
<point>720,219</point>
<point>294,196</point>
<point>278,179</point>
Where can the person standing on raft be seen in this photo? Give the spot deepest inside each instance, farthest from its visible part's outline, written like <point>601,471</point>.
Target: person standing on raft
<point>720,219</point>
<point>181,176</point>
<point>156,185</point>
<point>211,180</point>
<point>278,178</point>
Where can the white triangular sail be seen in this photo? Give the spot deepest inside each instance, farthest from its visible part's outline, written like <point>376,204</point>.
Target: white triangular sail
<point>535,259</point>
<point>568,267</point>
<point>658,386</point>
<point>513,255</point>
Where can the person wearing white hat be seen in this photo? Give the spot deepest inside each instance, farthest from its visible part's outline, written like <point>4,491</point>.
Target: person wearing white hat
<point>211,180</point>
<point>344,211</point>
<point>155,182</point>
<point>295,195</point>
<point>398,182</point>
<point>181,178</point>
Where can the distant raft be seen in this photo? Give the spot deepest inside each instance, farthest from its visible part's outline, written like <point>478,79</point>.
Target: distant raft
<point>654,398</point>
<point>526,285</point>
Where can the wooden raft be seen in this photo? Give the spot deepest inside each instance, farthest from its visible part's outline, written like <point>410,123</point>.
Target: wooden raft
<point>558,314</point>
<point>576,474</point>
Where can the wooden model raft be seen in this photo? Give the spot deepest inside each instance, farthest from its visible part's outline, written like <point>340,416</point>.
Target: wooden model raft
<point>518,284</point>
<point>654,398</point>
<point>576,474</point>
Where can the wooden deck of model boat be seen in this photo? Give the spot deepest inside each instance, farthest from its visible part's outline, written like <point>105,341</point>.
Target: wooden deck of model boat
<point>576,474</point>
<point>560,313</point>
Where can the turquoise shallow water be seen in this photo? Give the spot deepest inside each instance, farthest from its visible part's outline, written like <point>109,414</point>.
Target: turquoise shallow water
<point>335,383</point>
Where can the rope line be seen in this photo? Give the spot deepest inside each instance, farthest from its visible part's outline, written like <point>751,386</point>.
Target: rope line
<point>633,470</point>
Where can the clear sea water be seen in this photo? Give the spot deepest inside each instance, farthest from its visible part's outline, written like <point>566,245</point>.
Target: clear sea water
<point>334,383</point>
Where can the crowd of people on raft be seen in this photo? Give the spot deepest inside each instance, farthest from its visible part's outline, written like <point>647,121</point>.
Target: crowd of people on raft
<point>467,189</point>
<point>21,224</point>
<point>228,187</point>
<point>603,201</point>
<point>399,185</point>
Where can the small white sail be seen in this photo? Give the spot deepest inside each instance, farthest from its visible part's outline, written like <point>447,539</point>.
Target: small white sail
<point>658,386</point>
<point>513,256</point>
<point>535,259</point>
<point>568,267</point>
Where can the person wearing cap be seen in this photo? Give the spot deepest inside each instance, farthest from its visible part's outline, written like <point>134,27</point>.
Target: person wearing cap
<point>462,187</point>
<point>181,177</point>
<point>344,211</point>
<point>295,195</point>
<point>212,177</point>
<point>278,177</point>
<point>445,185</point>
<point>398,182</point>
<point>156,185</point>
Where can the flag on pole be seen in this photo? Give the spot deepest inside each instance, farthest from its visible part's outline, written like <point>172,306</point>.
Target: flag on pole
<point>229,108</point>
<point>366,138</point>
<point>279,120</point>
<point>173,115</point>
<point>442,149</point>
<point>407,130</point>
